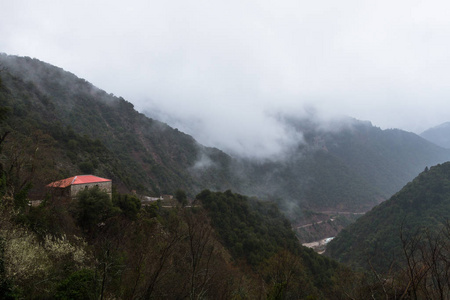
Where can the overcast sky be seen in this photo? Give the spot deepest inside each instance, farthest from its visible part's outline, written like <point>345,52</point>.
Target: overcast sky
<point>223,70</point>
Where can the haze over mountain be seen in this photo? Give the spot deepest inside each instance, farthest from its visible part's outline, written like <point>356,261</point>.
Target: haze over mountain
<point>346,165</point>
<point>440,135</point>
<point>222,72</point>
<point>244,98</point>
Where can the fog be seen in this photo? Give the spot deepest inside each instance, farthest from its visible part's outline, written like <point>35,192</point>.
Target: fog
<point>225,71</point>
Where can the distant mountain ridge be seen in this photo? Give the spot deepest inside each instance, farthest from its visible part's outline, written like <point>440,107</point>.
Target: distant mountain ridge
<point>352,167</point>
<point>79,128</point>
<point>440,135</point>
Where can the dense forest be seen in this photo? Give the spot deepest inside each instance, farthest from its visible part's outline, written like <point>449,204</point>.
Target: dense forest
<point>90,131</point>
<point>422,205</point>
<point>102,248</point>
<point>217,245</point>
<point>78,128</point>
<point>406,237</point>
<point>222,246</point>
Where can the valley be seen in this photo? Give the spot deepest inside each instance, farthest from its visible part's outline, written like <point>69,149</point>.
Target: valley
<point>323,225</point>
<point>320,245</point>
<point>339,185</point>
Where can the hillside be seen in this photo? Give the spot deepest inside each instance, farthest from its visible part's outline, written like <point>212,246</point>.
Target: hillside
<point>255,232</point>
<point>387,159</point>
<point>351,167</point>
<point>421,208</point>
<point>55,125</point>
<point>223,246</point>
<point>440,135</point>
<point>71,127</point>
<point>89,131</point>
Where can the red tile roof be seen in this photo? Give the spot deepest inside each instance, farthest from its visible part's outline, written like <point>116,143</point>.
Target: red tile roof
<point>79,179</point>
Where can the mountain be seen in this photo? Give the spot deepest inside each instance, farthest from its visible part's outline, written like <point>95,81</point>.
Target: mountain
<point>255,231</point>
<point>440,135</point>
<point>55,125</point>
<point>417,211</point>
<point>67,126</point>
<point>79,128</point>
<point>349,165</point>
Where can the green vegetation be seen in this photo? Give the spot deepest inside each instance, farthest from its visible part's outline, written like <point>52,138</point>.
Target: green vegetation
<point>256,232</point>
<point>92,208</point>
<point>251,229</point>
<point>99,248</point>
<point>70,127</point>
<point>76,128</point>
<point>157,253</point>
<point>5,284</point>
<point>55,125</point>
<point>387,159</point>
<point>421,206</point>
<point>181,197</point>
<point>80,285</point>
<point>128,204</point>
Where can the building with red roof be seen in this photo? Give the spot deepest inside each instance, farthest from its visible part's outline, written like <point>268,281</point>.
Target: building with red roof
<point>70,187</point>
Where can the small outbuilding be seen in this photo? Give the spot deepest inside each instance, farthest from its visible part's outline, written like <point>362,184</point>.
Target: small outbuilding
<point>70,187</point>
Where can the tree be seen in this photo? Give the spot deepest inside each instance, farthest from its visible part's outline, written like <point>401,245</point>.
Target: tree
<point>4,111</point>
<point>180,195</point>
<point>200,250</point>
<point>5,284</point>
<point>286,278</point>
<point>427,271</point>
<point>129,204</point>
<point>93,207</point>
<point>80,285</point>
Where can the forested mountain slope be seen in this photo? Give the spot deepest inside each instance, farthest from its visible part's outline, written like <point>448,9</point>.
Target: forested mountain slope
<point>420,209</point>
<point>86,130</point>
<point>70,127</point>
<point>58,250</point>
<point>387,159</point>
<point>257,233</point>
<point>55,125</point>
<point>349,165</point>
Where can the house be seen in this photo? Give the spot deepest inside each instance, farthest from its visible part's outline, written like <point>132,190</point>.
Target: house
<point>70,187</point>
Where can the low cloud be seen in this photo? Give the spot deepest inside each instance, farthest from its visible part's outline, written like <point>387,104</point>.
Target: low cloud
<point>204,162</point>
<point>224,71</point>
<point>239,131</point>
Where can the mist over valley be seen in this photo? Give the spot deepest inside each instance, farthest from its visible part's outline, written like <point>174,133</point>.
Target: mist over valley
<point>235,150</point>
<point>318,163</point>
<point>323,171</point>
